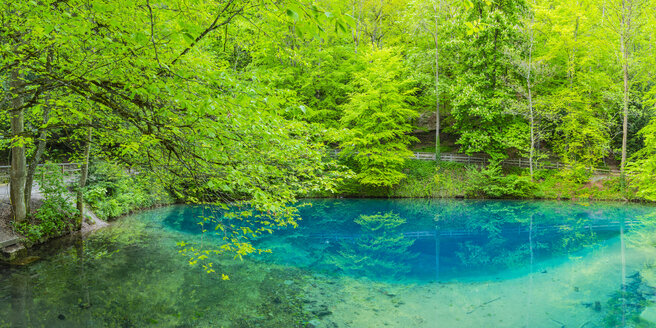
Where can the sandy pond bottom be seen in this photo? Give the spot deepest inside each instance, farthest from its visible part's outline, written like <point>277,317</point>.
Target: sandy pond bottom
<point>562,293</point>
<point>443,264</point>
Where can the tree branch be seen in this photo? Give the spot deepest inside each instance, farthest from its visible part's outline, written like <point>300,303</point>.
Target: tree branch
<point>209,29</point>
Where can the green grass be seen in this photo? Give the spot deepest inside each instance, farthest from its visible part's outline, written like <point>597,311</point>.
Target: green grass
<point>427,179</point>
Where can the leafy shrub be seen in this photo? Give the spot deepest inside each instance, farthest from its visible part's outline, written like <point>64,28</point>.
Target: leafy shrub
<point>57,214</point>
<point>543,174</point>
<point>449,180</point>
<point>419,169</point>
<point>490,182</point>
<point>577,173</point>
<point>430,179</point>
<point>112,192</point>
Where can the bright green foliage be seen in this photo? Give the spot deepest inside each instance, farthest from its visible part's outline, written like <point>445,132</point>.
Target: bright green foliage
<point>578,49</point>
<point>381,249</point>
<point>113,192</point>
<point>584,137</point>
<point>491,183</point>
<point>454,180</point>
<point>377,119</point>
<point>480,92</point>
<point>643,166</point>
<point>149,81</point>
<point>326,85</point>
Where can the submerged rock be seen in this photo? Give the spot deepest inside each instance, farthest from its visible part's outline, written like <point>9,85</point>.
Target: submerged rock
<point>319,311</point>
<point>26,260</point>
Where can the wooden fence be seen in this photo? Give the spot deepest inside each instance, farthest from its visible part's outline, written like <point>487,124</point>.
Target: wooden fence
<point>484,161</point>
<point>516,162</point>
<point>66,168</point>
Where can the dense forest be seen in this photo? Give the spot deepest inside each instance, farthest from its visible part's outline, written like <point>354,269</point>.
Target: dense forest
<point>257,103</point>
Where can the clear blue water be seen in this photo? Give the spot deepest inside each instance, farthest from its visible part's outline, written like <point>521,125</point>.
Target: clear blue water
<point>355,263</point>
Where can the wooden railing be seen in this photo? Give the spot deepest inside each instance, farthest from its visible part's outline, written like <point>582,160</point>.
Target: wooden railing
<point>517,162</point>
<point>66,168</point>
<point>484,161</point>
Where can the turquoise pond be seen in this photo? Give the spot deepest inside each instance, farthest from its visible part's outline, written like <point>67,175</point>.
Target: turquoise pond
<point>355,263</point>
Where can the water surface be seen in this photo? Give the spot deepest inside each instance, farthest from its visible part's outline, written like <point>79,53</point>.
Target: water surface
<point>355,263</point>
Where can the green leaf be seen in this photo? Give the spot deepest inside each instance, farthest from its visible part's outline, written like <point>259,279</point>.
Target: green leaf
<point>293,15</point>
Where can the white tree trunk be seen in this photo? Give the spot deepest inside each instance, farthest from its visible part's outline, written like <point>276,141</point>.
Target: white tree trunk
<point>83,176</point>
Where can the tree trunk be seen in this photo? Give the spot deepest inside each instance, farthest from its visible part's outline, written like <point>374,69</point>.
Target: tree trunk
<point>40,149</point>
<point>84,279</point>
<point>84,172</point>
<point>18,161</point>
<point>625,123</point>
<point>437,88</point>
<point>530,99</point>
<point>625,72</point>
<point>20,294</point>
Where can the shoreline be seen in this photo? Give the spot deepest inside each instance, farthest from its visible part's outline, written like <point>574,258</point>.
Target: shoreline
<point>87,228</point>
<point>15,254</point>
<point>634,201</point>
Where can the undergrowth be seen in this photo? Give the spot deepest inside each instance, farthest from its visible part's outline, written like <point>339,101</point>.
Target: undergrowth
<point>57,215</point>
<point>427,179</point>
<point>112,191</point>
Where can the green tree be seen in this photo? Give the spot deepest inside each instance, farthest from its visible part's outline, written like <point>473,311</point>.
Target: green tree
<point>626,17</point>
<point>480,91</point>
<point>643,164</point>
<point>147,80</point>
<point>584,136</point>
<point>377,119</point>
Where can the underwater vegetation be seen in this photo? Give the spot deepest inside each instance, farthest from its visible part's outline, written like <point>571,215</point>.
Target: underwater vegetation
<point>625,305</point>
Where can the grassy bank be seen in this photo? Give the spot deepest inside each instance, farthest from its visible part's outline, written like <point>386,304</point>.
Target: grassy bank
<point>426,179</point>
